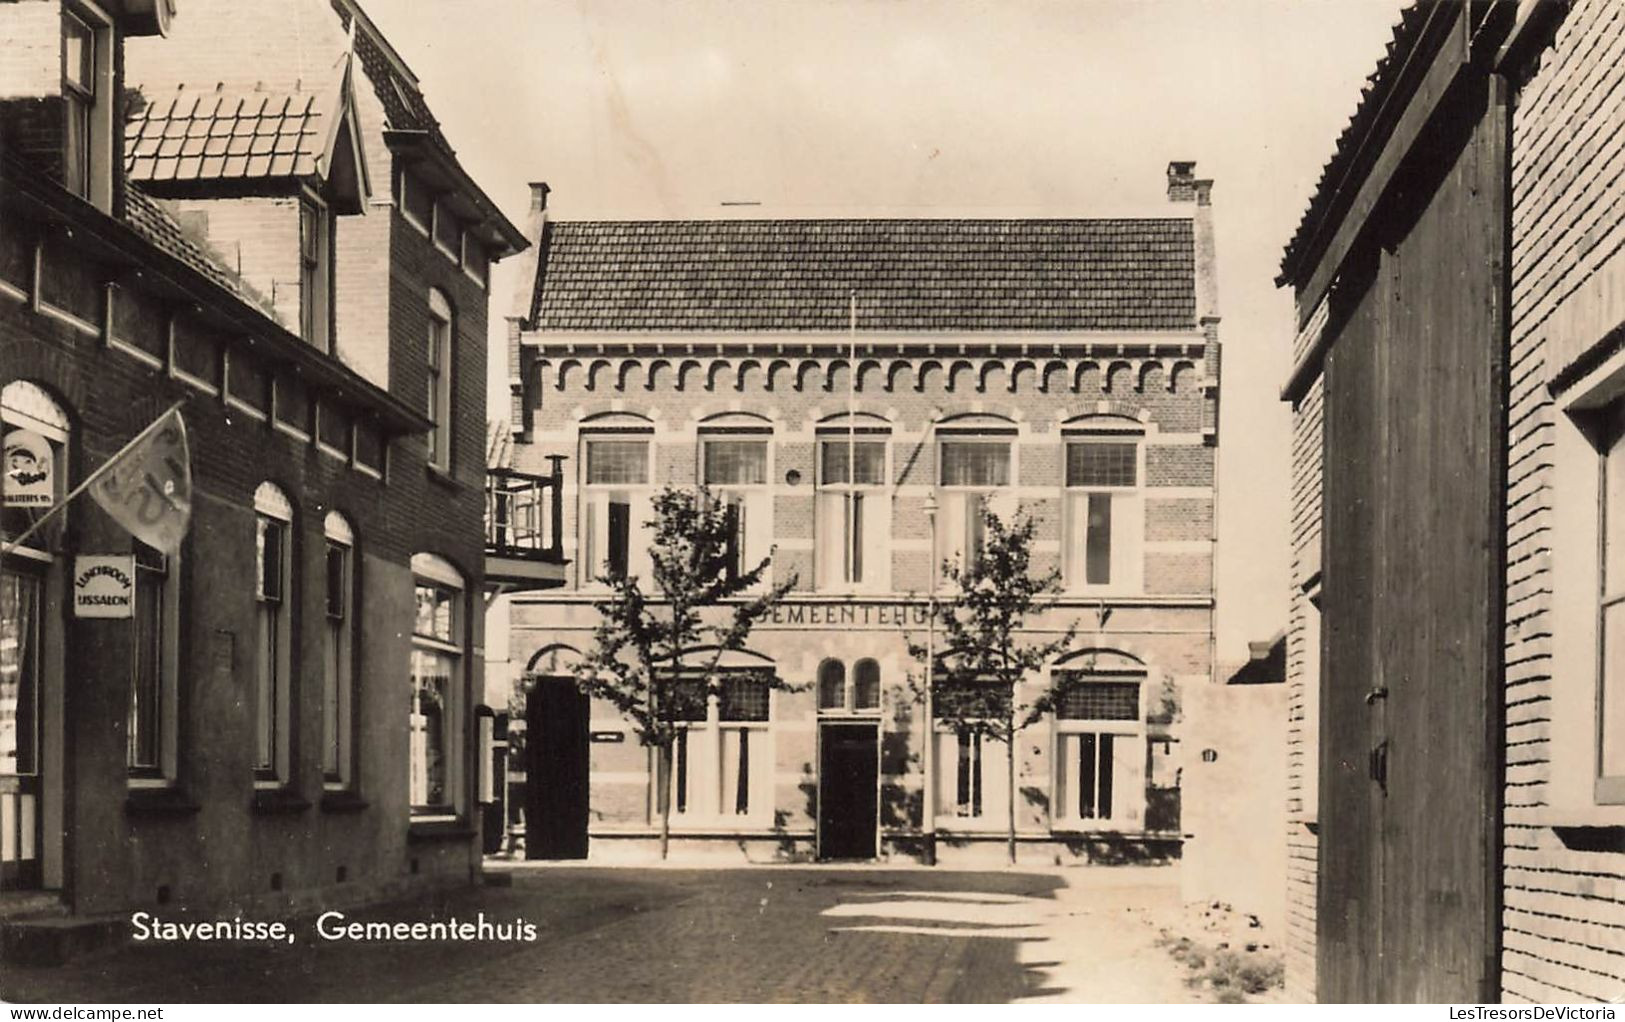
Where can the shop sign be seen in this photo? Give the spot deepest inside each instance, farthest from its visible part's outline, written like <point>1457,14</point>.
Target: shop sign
<point>104,585</point>
<point>27,469</point>
<point>609,736</point>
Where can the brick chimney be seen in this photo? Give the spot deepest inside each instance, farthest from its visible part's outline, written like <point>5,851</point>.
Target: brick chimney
<point>1182,181</point>
<point>538,196</point>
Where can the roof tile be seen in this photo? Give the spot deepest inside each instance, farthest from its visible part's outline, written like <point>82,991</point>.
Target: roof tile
<point>257,123</point>
<point>909,274</point>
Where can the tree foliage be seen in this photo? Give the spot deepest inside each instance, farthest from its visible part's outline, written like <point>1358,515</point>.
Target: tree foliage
<point>981,655</point>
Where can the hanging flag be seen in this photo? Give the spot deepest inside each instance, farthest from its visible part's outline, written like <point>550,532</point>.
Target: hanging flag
<point>147,487</point>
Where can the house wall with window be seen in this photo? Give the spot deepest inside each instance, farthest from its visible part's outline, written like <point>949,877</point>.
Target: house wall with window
<point>1104,431</point>
<point>1564,711</point>
<point>288,719</point>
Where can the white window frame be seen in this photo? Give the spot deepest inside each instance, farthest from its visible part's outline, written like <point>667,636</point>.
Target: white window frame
<point>594,539</point>
<point>849,688</point>
<point>957,502</point>
<point>162,772</point>
<point>338,657</point>
<point>316,278</point>
<point>441,347</point>
<point>755,498</point>
<point>833,568</point>
<point>273,706</point>
<point>1126,811</point>
<point>430,570</point>
<point>97,188</point>
<point>1126,569</point>
<point>705,770</point>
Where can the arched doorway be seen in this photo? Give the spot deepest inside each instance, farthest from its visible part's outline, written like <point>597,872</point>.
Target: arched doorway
<point>557,717</point>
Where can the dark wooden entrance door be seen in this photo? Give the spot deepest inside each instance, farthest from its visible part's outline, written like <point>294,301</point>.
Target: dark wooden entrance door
<point>556,721</point>
<point>848,790</point>
<point>1415,384</point>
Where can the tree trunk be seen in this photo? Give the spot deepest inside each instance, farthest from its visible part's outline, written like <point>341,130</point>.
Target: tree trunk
<point>665,800</point>
<point>1010,761</point>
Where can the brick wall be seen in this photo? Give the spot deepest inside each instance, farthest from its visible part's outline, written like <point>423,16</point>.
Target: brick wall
<point>258,237</point>
<point>1564,914</point>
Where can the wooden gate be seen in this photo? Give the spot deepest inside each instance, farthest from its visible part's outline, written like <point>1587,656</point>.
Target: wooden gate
<point>1413,578</point>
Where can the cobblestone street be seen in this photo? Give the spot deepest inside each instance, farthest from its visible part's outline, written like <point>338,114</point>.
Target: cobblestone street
<point>752,934</point>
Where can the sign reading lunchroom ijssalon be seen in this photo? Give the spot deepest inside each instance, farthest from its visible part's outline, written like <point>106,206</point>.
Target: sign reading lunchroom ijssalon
<point>104,585</point>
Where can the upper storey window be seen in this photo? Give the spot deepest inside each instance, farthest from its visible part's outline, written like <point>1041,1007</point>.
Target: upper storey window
<point>87,135</point>
<point>315,273</point>
<point>853,513</point>
<point>440,350</point>
<point>975,474</point>
<point>735,462</point>
<point>1103,512</point>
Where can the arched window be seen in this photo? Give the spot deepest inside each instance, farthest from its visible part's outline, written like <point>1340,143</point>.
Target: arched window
<point>437,687</point>
<point>274,602</point>
<point>338,652</point>
<point>832,685</point>
<point>33,477</point>
<point>866,685</point>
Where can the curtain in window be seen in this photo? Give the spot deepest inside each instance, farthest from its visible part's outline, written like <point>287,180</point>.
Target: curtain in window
<point>1102,464</point>
<point>975,464</point>
<point>869,456</point>
<point>617,462</point>
<point>19,672</point>
<point>146,682</point>
<point>735,462</point>
<point>432,673</point>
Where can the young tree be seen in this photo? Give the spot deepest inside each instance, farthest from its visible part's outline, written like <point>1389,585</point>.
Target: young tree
<point>656,654</point>
<point>981,659</point>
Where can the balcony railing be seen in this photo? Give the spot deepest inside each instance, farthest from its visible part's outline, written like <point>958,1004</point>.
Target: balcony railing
<point>524,515</point>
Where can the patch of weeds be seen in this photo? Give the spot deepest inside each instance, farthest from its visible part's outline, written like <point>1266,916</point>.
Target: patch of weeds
<point>1228,974</point>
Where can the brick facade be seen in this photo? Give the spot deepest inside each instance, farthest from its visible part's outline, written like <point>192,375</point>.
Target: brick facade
<point>1038,386</point>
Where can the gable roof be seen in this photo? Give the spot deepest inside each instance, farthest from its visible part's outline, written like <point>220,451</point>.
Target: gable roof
<point>690,275</point>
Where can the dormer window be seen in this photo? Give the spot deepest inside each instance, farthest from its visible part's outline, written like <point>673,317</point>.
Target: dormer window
<point>87,135</point>
<point>315,273</point>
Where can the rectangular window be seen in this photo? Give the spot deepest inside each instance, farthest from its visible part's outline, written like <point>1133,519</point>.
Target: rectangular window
<point>735,462</point>
<point>315,273</point>
<point>79,59</point>
<point>336,663</point>
<point>617,462</point>
<point>615,506</point>
<point>853,514</point>
<point>1103,514</point>
<point>151,666</point>
<point>1086,775</point>
<point>476,263</point>
<point>739,469</point>
<point>1100,700</point>
<point>970,463</point>
<point>448,233</point>
<point>416,202</point>
<point>271,650</point>
<point>437,666</point>
<point>439,362</point>
<point>974,472</point>
<point>1610,787</point>
<point>968,801</point>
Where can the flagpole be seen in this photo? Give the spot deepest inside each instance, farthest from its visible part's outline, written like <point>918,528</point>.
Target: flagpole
<point>852,525</point>
<point>82,487</point>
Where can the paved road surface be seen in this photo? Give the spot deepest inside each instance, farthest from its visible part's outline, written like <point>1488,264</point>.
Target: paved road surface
<point>791,934</point>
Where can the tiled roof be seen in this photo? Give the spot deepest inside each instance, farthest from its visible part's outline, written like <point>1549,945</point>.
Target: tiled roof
<point>214,135</point>
<point>1123,274</point>
<point>149,218</point>
<point>1379,85</point>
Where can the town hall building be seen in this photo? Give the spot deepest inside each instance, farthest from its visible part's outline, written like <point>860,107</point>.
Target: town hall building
<point>858,390</point>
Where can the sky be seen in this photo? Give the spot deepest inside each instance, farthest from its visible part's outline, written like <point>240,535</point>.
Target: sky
<point>639,108</point>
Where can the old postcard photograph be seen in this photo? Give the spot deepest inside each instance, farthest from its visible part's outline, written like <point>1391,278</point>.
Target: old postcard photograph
<point>812,502</point>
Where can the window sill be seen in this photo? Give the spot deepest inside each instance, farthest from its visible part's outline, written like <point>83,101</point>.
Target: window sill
<point>343,801</point>
<point>440,830</point>
<point>279,802</point>
<point>166,801</point>
<point>443,477</point>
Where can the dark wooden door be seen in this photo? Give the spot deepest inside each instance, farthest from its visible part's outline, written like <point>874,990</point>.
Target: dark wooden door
<point>556,788</point>
<point>1408,900</point>
<point>848,790</point>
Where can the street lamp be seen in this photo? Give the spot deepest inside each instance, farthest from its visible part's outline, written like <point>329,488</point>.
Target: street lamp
<point>928,803</point>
